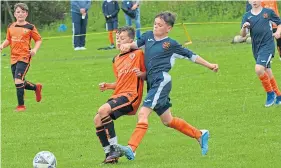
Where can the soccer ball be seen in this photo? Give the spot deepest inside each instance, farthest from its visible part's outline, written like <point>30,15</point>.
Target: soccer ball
<point>44,159</point>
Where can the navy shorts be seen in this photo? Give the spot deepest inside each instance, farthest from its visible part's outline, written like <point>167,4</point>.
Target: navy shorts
<point>264,58</point>
<point>120,106</point>
<point>19,70</point>
<point>110,26</point>
<point>159,86</point>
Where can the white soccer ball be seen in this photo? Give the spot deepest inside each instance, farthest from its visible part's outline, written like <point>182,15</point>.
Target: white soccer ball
<point>44,159</point>
<point>238,39</point>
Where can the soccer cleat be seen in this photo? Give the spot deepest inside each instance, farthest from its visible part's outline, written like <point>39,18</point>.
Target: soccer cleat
<point>127,151</point>
<point>113,155</point>
<point>203,141</point>
<point>38,92</point>
<point>20,108</point>
<point>108,161</point>
<point>278,100</point>
<point>270,99</point>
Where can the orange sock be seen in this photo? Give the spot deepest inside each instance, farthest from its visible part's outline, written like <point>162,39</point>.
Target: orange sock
<point>266,82</point>
<point>275,86</point>
<point>137,135</point>
<point>185,128</point>
<point>110,37</point>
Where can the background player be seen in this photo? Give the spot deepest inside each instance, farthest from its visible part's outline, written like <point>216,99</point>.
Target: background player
<point>160,54</point>
<point>19,36</point>
<point>272,4</point>
<point>258,20</point>
<point>129,71</point>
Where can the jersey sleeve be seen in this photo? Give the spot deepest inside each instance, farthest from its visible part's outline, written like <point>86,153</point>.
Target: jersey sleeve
<point>35,34</point>
<point>8,35</point>
<point>274,18</point>
<point>183,53</point>
<point>141,58</point>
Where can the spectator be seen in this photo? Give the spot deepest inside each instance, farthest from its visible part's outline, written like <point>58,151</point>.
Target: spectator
<point>110,9</point>
<point>132,11</point>
<point>79,11</point>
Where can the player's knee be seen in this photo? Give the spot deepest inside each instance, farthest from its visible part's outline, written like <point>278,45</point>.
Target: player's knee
<point>142,117</point>
<point>259,70</point>
<point>104,110</point>
<point>97,120</point>
<point>18,81</point>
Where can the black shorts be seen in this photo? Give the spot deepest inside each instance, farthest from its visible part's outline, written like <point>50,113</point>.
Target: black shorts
<point>19,70</point>
<point>120,106</point>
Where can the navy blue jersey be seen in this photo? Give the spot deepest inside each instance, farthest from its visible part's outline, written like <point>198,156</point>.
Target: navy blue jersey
<point>160,55</point>
<point>261,30</point>
<point>110,8</point>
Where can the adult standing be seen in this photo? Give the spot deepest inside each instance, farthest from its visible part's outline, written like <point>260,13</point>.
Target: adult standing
<point>79,12</point>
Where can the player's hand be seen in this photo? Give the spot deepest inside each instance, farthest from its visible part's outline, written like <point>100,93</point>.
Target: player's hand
<point>246,25</point>
<point>139,73</point>
<point>135,6</point>
<point>103,86</point>
<point>1,48</point>
<point>32,52</point>
<point>214,67</point>
<point>108,16</point>
<point>82,10</point>
<point>125,48</point>
<point>276,35</point>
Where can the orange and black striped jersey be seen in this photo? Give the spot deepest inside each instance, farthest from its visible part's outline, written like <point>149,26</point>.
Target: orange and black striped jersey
<point>127,83</point>
<point>271,4</point>
<point>20,37</point>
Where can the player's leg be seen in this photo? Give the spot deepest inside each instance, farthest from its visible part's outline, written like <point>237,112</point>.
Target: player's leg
<point>83,31</point>
<point>202,136</point>
<point>274,85</point>
<point>138,23</point>
<point>263,61</point>
<point>128,20</point>
<point>20,71</point>
<point>101,134</point>
<point>29,85</point>
<point>110,28</point>
<point>76,30</point>
<point>110,111</point>
<point>138,134</point>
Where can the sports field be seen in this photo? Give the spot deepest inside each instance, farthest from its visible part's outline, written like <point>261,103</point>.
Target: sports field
<point>230,104</point>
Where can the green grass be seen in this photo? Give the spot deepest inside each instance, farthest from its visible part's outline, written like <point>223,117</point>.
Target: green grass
<point>229,104</point>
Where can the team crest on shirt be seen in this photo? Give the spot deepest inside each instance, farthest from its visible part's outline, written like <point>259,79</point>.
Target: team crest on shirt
<point>132,55</point>
<point>265,15</point>
<point>166,45</point>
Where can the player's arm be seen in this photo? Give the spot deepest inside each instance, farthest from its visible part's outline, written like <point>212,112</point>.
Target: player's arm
<point>245,25</point>
<point>6,43</point>
<point>106,86</point>
<point>274,18</point>
<point>184,53</point>
<point>38,41</point>
<point>135,45</point>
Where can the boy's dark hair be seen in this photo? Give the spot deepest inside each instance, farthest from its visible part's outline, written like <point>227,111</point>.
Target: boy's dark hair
<point>128,29</point>
<point>23,6</point>
<point>168,17</point>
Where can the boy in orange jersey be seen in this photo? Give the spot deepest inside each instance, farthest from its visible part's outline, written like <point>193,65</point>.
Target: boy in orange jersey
<point>272,4</point>
<point>19,36</point>
<point>130,73</point>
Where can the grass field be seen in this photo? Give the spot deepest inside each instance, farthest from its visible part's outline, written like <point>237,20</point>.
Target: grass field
<point>230,104</point>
